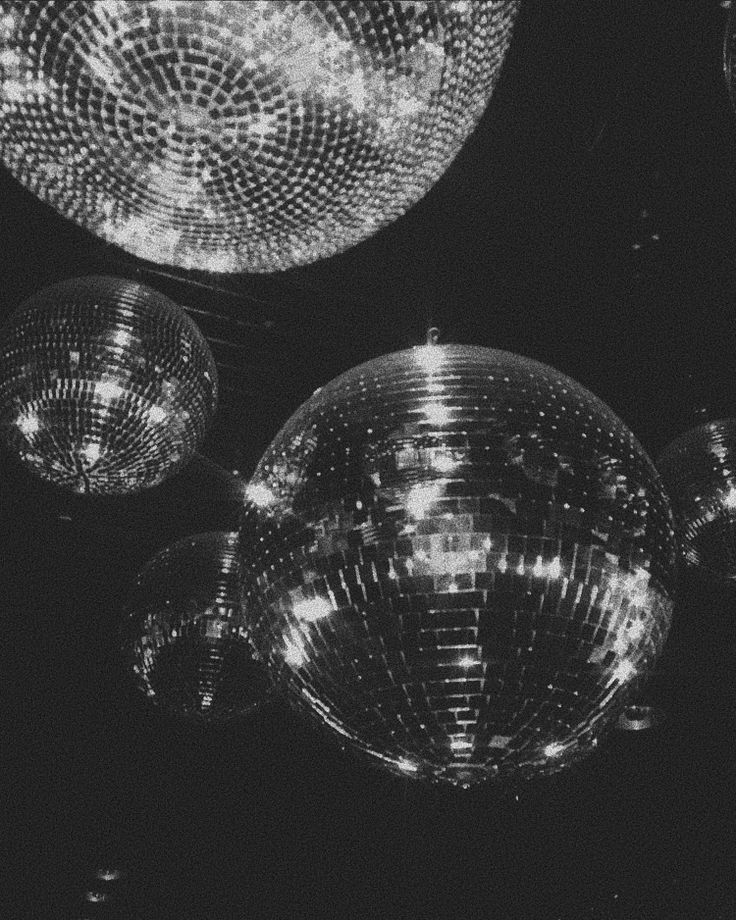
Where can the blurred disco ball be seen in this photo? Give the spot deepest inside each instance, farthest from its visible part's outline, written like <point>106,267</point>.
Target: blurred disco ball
<point>231,136</point>
<point>699,471</point>
<point>106,386</point>
<point>460,560</point>
<point>184,633</point>
<point>729,55</point>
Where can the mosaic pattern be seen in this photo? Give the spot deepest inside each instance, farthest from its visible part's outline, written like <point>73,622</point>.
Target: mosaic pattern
<point>241,136</point>
<point>699,470</point>
<point>106,386</point>
<point>459,560</point>
<point>184,632</point>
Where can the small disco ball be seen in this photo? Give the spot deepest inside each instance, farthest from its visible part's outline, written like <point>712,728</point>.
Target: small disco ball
<point>699,470</point>
<point>234,136</point>
<point>460,560</point>
<point>106,386</point>
<point>184,632</point>
<point>729,53</point>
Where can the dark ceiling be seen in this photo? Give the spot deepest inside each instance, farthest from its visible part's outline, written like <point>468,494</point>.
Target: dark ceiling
<point>590,222</point>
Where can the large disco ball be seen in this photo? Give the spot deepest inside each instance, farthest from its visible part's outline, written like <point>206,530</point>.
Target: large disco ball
<point>184,634</point>
<point>106,386</point>
<point>241,136</point>
<point>699,471</point>
<point>460,560</point>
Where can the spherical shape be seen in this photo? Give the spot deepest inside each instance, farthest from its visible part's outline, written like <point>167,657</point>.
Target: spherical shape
<point>699,471</point>
<point>241,136</point>
<point>184,633</point>
<point>460,560</point>
<point>106,386</point>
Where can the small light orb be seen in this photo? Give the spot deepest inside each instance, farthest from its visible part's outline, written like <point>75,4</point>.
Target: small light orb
<point>484,619</point>
<point>240,136</point>
<point>184,634</point>
<point>699,471</point>
<point>106,386</point>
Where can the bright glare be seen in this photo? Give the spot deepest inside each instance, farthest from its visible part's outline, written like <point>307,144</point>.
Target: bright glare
<point>29,424</point>
<point>259,494</point>
<point>623,671</point>
<point>461,744</point>
<point>92,452</point>
<point>157,414</point>
<point>108,390</point>
<point>436,413</point>
<point>430,357</point>
<point>554,749</point>
<point>421,498</point>
<point>294,654</point>
<point>729,500</point>
<point>312,608</point>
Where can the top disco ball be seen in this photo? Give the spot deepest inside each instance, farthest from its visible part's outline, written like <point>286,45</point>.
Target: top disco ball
<point>460,560</point>
<point>699,470</point>
<point>241,136</point>
<point>106,386</point>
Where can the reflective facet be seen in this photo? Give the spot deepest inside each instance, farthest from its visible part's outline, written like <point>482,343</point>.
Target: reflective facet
<point>185,635</point>
<point>241,136</point>
<point>106,386</point>
<point>699,470</point>
<point>460,560</point>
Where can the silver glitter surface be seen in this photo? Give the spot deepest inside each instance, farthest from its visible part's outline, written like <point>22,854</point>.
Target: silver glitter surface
<point>184,633</point>
<point>459,560</point>
<point>241,136</point>
<point>106,386</point>
<point>699,470</point>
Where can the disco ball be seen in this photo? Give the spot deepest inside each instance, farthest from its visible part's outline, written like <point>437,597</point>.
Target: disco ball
<point>699,470</point>
<point>459,560</point>
<point>232,136</point>
<point>184,632</point>
<point>106,386</point>
<point>729,55</point>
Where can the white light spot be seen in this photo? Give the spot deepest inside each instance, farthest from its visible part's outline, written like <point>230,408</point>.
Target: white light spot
<point>729,500</point>
<point>122,338</point>
<point>259,494</point>
<point>109,390</point>
<point>436,413</point>
<point>312,609</point>
<point>461,744</point>
<point>157,414</point>
<point>623,671</point>
<point>294,653</point>
<point>407,766</point>
<point>467,662</point>
<point>444,463</point>
<point>421,498</point>
<point>554,749</point>
<point>91,453</point>
<point>430,357</point>
<point>28,424</point>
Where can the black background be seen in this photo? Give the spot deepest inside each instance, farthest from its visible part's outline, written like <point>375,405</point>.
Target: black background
<point>590,223</point>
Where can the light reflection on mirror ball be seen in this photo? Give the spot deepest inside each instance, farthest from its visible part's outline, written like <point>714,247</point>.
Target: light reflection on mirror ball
<point>184,635</point>
<point>241,136</point>
<point>106,386</point>
<point>459,560</point>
